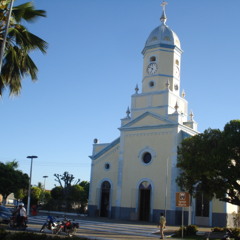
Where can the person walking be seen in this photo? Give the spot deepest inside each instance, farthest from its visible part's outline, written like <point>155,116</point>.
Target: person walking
<point>162,224</point>
<point>22,215</point>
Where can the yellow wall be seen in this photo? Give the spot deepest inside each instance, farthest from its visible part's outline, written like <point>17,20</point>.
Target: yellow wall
<point>135,170</point>
<point>99,173</point>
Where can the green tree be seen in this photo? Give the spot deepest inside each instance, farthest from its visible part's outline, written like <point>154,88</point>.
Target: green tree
<point>17,62</point>
<point>47,196</point>
<point>35,195</point>
<point>57,193</point>
<point>84,196</point>
<point>76,193</point>
<point>85,185</point>
<point>20,194</point>
<point>12,179</point>
<point>70,192</point>
<point>211,160</point>
<point>65,180</point>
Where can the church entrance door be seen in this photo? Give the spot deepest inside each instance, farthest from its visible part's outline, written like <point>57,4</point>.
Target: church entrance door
<point>105,199</point>
<point>202,210</point>
<point>144,201</point>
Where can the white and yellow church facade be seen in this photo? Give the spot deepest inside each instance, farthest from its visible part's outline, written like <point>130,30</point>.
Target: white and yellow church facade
<point>134,176</point>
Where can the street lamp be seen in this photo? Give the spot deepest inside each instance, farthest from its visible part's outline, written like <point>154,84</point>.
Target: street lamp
<point>44,187</point>
<point>44,182</point>
<point>29,187</point>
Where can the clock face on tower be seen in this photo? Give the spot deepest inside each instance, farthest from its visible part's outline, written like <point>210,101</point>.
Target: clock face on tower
<point>152,68</point>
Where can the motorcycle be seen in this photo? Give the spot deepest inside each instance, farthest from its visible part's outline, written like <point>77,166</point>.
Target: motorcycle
<point>50,224</point>
<point>18,222</point>
<point>230,235</point>
<point>68,227</point>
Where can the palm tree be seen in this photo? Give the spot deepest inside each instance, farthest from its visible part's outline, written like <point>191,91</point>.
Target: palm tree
<point>17,63</point>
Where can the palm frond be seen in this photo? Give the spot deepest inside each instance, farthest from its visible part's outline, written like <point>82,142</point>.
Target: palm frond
<point>26,40</point>
<point>17,63</point>
<point>27,12</point>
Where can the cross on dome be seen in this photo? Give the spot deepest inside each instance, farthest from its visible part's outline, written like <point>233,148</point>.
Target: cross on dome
<point>163,17</point>
<point>164,3</point>
<point>191,115</point>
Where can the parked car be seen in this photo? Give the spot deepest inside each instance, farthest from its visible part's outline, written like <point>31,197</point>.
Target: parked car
<point>5,214</point>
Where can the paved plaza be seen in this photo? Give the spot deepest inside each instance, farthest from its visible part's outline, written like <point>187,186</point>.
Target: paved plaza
<point>107,229</point>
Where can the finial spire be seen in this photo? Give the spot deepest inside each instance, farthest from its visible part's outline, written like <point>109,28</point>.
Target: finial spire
<point>183,93</point>
<point>164,16</point>
<point>128,112</point>
<point>136,89</point>
<point>167,84</point>
<point>176,106</point>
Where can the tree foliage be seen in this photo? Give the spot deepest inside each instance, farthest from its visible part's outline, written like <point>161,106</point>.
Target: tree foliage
<point>71,192</point>
<point>211,160</point>
<point>66,179</point>
<point>11,179</point>
<point>17,62</point>
<point>57,193</point>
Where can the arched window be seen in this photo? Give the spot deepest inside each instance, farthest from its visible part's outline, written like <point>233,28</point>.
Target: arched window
<point>145,189</point>
<point>105,199</point>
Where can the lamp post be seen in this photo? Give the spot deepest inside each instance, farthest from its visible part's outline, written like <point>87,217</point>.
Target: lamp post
<point>44,182</point>
<point>44,187</point>
<point>29,187</point>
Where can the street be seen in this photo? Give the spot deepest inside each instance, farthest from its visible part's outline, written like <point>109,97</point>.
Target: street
<point>103,230</point>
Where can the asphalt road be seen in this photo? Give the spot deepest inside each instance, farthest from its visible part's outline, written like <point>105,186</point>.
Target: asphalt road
<point>107,229</point>
<point>93,229</point>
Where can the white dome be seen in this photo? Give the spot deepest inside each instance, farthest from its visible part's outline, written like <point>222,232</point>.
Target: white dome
<point>161,36</point>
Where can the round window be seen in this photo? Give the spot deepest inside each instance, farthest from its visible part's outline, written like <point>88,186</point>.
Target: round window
<point>147,157</point>
<point>151,84</point>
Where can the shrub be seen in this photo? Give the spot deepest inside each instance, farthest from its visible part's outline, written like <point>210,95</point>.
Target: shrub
<point>189,230</point>
<point>218,229</point>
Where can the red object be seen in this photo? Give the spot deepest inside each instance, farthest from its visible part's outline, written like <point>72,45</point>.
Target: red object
<point>34,210</point>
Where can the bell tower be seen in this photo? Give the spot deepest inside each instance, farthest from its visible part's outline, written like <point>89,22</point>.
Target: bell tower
<point>161,92</point>
<point>162,59</point>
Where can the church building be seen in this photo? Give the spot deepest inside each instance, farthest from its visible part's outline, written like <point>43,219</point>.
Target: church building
<point>134,176</point>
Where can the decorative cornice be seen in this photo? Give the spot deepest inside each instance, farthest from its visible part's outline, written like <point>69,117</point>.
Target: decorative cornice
<point>104,150</point>
<point>124,129</point>
<point>142,116</point>
<point>160,75</point>
<point>149,134</point>
<point>161,45</point>
<point>109,152</point>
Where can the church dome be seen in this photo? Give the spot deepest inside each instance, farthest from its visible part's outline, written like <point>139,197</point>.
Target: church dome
<point>162,35</point>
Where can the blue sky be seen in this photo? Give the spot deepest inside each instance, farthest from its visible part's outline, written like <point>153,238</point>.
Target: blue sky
<point>93,64</point>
